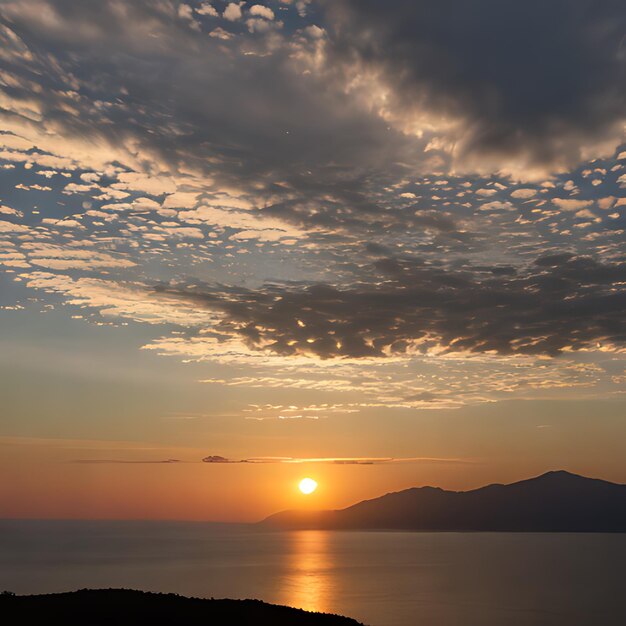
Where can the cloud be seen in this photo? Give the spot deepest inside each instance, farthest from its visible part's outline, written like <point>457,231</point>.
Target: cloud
<point>305,148</point>
<point>7,210</point>
<point>261,460</point>
<point>337,460</point>
<point>207,8</point>
<point>9,227</point>
<point>129,301</point>
<point>232,12</point>
<point>267,412</point>
<point>317,178</point>
<point>251,225</point>
<point>524,194</point>
<point>124,462</point>
<point>571,204</point>
<point>531,83</point>
<point>497,205</point>
<point>260,10</point>
<point>560,304</point>
<point>66,257</point>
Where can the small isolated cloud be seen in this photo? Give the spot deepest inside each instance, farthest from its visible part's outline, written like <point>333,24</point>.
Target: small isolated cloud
<point>7,210</point>
<point>258,10</point>
<point>207,9</point>
<point>185,12</point>
<point>497,205</point>
<point>571,204</point>
<point>524,193</point>
<point>232,12</point>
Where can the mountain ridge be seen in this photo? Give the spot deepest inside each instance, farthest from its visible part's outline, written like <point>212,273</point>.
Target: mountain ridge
<point>556,501</point>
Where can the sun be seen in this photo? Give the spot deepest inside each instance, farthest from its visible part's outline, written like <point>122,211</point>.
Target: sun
<point>307,486</point>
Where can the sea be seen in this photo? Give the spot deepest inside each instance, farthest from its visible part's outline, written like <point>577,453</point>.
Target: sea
<point>378,578</point>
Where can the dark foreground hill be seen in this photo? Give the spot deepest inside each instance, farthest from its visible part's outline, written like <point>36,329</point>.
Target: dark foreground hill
<point>124,607</point>
<point>553,502</point>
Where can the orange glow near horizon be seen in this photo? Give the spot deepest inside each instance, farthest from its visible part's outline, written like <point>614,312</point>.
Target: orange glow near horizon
<point>41,479</point>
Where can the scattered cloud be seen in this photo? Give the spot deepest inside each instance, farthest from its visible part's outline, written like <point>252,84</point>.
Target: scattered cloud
<point>259,10</point>
<point>337,460</point>
<point>123,461</point>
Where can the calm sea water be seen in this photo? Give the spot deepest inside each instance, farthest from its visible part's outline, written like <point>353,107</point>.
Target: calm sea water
<point>382,579</point>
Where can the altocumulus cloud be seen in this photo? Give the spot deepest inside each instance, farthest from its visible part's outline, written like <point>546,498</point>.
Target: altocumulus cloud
<point>139,77</point>
<point>341,173</point>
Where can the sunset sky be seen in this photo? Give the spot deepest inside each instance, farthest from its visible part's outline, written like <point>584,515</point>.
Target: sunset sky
<point>245,243</point>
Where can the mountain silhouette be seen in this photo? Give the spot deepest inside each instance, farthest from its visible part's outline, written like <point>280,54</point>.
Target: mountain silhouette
<point>125,607</point>
<point>553,502</point>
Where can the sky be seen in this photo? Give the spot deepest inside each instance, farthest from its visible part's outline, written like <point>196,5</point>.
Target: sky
<point>380,244</point>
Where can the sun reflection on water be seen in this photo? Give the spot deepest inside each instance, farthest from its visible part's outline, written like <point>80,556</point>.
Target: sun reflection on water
<point>308,584</point>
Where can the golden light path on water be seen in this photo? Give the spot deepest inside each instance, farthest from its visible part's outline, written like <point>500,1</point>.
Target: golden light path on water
<point>309,584</point>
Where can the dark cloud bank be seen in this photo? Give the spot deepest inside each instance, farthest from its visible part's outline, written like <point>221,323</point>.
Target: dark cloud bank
<point>536,79</point>
<point>560,303</point>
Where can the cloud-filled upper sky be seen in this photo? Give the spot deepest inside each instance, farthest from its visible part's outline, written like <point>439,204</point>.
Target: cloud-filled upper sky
<point>334,206</point>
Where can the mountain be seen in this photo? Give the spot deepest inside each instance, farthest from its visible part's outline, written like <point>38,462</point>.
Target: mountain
<point>107,607</point>
<point>553,502</point>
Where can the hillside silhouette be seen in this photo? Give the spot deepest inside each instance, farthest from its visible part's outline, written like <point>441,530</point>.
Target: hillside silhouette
<point>125,607</point>
<point>553,502</point>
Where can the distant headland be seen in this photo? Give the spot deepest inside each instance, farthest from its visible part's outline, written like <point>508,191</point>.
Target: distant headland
<point>553,502</point>
<point>104,607</point>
